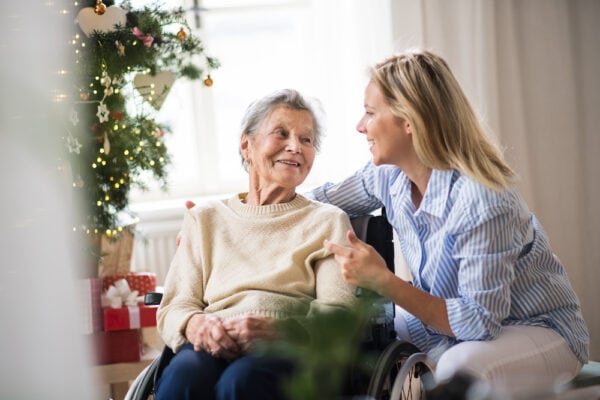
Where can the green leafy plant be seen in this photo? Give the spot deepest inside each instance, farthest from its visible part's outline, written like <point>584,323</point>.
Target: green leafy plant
<point>327,349</point>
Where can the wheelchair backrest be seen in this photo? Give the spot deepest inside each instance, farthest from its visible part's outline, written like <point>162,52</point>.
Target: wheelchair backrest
<point>376,231</point>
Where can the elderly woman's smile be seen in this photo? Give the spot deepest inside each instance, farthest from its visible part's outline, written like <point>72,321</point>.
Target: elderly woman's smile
<point>289,162</point>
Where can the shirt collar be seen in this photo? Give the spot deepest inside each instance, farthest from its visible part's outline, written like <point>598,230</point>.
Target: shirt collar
<point>436,194</point>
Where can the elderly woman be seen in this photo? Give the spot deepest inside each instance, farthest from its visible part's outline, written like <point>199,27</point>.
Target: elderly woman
<point>249,260</point>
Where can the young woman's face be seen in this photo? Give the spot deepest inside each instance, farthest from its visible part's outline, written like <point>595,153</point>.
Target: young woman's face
<point>389,137</point>
<point>282,152</point>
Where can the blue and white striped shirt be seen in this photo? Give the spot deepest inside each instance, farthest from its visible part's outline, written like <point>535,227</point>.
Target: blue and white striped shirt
<point>480,250</point>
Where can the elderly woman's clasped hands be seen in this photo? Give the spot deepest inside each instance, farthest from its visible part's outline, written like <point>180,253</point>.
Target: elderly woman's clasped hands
<point>230,338</point>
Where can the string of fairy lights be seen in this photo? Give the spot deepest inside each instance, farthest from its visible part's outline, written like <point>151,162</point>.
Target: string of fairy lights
<point>124,62</point>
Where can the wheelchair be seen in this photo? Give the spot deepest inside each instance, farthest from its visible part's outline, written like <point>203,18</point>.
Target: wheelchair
<point>400,371</point>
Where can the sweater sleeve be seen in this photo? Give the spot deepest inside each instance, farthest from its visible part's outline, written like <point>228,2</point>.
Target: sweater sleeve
<point>331,289</point>
<point>184,288</point>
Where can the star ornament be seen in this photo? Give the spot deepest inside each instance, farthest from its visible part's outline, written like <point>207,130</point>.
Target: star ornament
<point>102,113</point>
<point>73,144</point>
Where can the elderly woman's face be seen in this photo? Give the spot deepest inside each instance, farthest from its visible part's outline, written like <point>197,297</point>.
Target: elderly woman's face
<point>282,151</point>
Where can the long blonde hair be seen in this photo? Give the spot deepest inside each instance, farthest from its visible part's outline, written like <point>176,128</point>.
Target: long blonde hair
<point>447,134</point>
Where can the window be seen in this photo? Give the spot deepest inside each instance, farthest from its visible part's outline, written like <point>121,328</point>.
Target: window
<point>317,47</point>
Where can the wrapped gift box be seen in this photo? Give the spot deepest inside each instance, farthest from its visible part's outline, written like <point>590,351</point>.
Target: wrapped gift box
<point>117,346</point>
<point>132,317</point>
<point>143,282</point>
<point>92,310</point>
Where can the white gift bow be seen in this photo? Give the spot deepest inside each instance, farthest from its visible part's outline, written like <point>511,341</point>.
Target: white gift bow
<point>119,294</point>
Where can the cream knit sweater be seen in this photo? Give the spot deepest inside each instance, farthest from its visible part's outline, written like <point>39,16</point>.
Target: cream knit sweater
<point>235,259</point>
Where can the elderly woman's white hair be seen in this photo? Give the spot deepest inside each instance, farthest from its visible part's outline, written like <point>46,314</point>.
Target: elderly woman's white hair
<point>260,109</point>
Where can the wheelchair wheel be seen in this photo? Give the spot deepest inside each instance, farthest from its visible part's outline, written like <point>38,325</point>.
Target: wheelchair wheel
<point>414,378</point>
<point>142,388</point>
<point>401,373</point>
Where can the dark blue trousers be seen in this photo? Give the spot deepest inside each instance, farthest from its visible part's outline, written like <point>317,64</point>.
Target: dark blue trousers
<point>196,375</point>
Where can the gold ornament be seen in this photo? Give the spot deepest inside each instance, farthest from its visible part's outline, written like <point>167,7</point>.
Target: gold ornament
<point>100,7</point>
<point>105,80</point>
<point>208,81</point>
<point>84,96</point>
<point>181,34</point>
<point>120,48</point>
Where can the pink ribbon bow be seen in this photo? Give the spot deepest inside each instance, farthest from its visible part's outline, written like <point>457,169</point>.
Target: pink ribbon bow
<point>146,39</point>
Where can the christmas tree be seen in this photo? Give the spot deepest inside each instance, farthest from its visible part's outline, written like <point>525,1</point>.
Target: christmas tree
<point>125,61</point>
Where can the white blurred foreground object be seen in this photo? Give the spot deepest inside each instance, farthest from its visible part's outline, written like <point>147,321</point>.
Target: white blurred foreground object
<point>43,350</point>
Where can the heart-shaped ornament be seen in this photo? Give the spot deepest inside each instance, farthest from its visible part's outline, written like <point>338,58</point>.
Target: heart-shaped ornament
<point>89,21</point>
<point>154,88</point>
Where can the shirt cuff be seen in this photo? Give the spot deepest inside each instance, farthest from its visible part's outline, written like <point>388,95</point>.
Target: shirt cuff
<point>318,193</point>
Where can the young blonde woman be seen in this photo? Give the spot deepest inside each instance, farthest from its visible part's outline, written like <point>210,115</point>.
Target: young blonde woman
<point>487,292</point>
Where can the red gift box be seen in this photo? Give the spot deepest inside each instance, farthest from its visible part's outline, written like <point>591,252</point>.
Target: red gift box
<point>133,317</point>
<point>117,347</point>
<point>92,308</point>
<point>143,282</point>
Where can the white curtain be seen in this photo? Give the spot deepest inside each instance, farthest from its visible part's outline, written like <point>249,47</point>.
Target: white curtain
<point>530,69</point>
<point>342,51</point>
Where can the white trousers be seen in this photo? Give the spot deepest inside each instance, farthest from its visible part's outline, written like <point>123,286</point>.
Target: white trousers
<point>522,360</point>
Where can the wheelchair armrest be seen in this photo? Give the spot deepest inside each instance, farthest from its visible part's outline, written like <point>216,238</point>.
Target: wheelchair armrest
<point>153,298</point>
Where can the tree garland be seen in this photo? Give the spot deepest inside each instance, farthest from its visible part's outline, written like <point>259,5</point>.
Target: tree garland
<point>112,138</point>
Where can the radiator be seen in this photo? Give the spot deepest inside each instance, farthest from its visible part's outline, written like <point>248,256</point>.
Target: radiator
<point>154,244</point>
